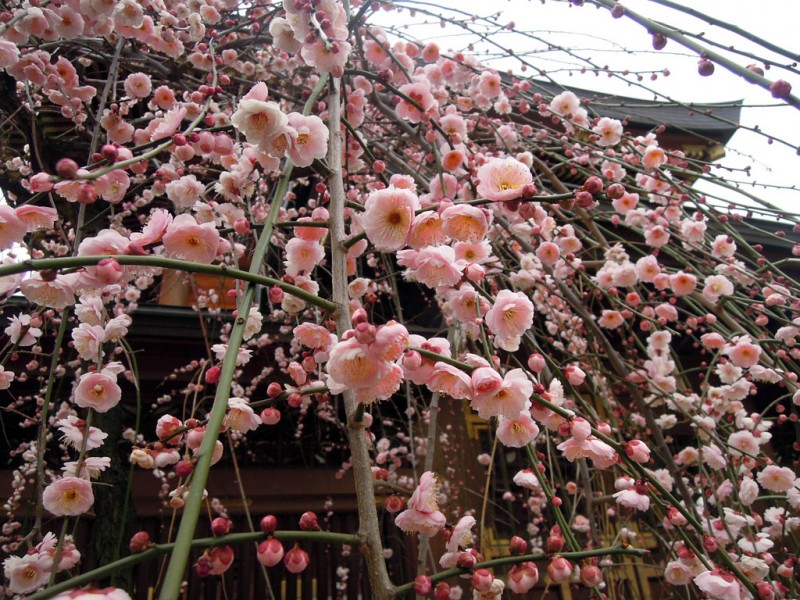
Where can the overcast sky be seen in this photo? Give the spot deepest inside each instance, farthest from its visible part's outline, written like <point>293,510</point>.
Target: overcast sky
<point>621,44</point>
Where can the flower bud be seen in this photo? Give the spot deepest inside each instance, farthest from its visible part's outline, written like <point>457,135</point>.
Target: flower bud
<point>275,294</point>
<point>559,569</point>
<point>308,521</point>
<point>213,374</point>
<point>517,545</point>
<point>108,271</point>
<point>184,468</point>
<point>422,585</point>
<point>67,168</point>
<point>536,362</point>
<point>140,542</point>
<point>87,194</point>
<point>269,524</point>
<point>705,67</point>
<point>482,580</point>
<point>393,504</point>
<point>270,552</point>
<point>522,577</point>
<point>270,416</point>
<point>442,591</point>
<point>296,560</point>
<point>591,576</point>
<point>221,526</point>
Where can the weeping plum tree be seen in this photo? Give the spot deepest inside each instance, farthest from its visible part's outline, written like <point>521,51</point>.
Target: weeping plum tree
<point>611,325</point>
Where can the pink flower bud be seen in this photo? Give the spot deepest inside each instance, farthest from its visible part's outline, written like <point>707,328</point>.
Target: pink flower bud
<point>710,543</point>
<point>139,542</point>
<point>412,360</point>
<point>422,585</point>
<point>67,168</point>
<point>221,526</point>
<point>475,272</point>
<point>269,524</point>
<point>184,468</point>
<point>466,560</point>
<point>575,375</point>
<point>87,194</point>
<point>213,374</point>
<point>603,428</point>
<point>765,591</point>
<point>559,569</point>
<point>393,504</point>
<point>241,226</point>
<point>517,545</point>
<point>308,521</point>
<point>555,543</point>
<point>637,450</point>
<point>275,294</point>
<point>522,577</point>
<point>442,591</point>
<point>482,580</point>
<point>270,552</point>
<point>41,182</point>
<point>581,428</point>
<point>270,416</point>
<point>296,560</point>
<point>705,67</point>
<point>220,559</point>
<point>591,576</point>
<point>109,152</point>
<point>108,271</point>
<point>365,333</point>
<point>780,89</point>
<point>536,362</point>
<point>359,316</point>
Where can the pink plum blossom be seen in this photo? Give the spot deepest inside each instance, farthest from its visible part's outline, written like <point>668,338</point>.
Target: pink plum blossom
<point>388,216</point>
<point>517,432</point>
<point>503,179</point>
<point>68,497</point>
<point>99,391</point>
<point>509,318</point>
<point>189,240</point>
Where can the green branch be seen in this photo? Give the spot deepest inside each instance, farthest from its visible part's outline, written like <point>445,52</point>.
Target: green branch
<point>401,590</point>
<point>161,549</point>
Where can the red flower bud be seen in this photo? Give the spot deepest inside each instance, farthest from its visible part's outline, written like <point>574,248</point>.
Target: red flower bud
<point>221,526</point>
<point>213,374</point>
<point>482,580</point>
<point>270,416</point>
<point>308,521</point>
<point>296,560</point>
<point>270,552</point>
<point>705,67</point>
<point>139,542</point>
<point>269,524</point>
<point>67,168</point>
<point>517,545</point>
<point>423,585</point>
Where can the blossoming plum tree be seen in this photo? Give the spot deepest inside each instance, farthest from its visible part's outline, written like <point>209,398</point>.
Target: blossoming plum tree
<point>612,326</point>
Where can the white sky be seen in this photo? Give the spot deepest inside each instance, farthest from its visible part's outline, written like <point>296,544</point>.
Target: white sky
<point>622,44</point>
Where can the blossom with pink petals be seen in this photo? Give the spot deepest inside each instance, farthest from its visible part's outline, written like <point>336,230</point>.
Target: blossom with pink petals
<point>503,179</point>
<point>189,240</point>
<point>509,318</point>
<point>512,398</point>
<point>387,217</point>
<point>99,391</point>
<point>68,497</point>
<point>517,432</point>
